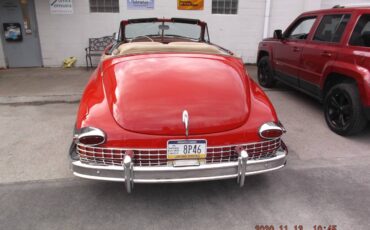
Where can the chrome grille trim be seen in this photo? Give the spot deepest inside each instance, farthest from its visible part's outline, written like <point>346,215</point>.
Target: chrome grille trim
<point>158,157</point>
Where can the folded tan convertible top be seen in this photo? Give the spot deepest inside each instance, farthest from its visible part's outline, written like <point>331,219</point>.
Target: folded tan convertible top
<point>154,47</point>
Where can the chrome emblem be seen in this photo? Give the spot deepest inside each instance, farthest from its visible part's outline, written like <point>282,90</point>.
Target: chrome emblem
<point>185,120</point>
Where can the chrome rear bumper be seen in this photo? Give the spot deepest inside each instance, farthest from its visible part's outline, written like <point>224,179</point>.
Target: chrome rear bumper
<point>131,174</point>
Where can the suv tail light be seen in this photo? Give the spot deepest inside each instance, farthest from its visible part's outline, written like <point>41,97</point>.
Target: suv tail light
<point>270,130</point>
<point>90,136</point>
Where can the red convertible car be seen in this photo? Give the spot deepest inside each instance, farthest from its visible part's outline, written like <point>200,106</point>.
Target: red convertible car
<point>165,105</point>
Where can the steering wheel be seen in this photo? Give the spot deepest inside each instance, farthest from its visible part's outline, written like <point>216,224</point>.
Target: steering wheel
<point>142,36</point>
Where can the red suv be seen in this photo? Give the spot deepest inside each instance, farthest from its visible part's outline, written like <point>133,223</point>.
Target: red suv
<point>326,54</point>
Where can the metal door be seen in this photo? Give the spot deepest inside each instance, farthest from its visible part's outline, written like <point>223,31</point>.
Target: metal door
<point>19,33</point>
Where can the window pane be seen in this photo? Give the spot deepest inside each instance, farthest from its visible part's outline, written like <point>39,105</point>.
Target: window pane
<point>301,30</point>
<point>331,28</point>
<point>221,6</point>
<point>224,6</point>
<point>104,6</point>
<point>191,31</point>
<point>234,4</point>
<point>214,7</point>
<point>361,33</point>
<point>227,4</point>
<point>92,3</point>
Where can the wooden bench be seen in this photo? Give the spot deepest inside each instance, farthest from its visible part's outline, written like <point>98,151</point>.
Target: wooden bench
<point>96,47</point>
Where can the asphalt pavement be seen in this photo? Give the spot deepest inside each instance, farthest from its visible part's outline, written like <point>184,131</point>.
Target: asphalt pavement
<point>326,181</point>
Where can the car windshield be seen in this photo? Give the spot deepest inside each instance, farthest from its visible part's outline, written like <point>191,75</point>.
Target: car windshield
<point>175,29</point>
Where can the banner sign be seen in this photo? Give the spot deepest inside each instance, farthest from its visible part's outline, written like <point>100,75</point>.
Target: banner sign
<point>61,6</point>
<point>140,4</point>
<point>190,4</point>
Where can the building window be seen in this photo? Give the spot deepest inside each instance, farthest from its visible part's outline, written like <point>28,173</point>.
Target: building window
<point>224,6</point>
<point>105,6</point>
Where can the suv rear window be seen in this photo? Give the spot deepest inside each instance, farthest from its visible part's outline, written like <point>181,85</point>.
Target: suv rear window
<point>331,28</point>
<point>361,33</point>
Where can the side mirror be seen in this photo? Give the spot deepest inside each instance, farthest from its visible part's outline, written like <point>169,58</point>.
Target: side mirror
<point>115,36</point>
<point>278,34</point>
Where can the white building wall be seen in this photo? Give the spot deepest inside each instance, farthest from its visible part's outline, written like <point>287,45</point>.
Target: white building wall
<point>62,36</point>
<point>279,18</point>
<point>283,12</point>
<point>330,3</point>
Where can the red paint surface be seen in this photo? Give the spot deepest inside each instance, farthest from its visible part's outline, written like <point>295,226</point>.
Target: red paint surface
<point>311,61</point>
<point>149,94</point>
<point>138,100</point>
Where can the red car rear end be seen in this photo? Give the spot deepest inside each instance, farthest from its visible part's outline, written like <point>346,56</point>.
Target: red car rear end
<point>174,112</point>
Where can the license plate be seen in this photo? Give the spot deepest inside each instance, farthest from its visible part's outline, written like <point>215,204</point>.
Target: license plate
<point>186,149</point>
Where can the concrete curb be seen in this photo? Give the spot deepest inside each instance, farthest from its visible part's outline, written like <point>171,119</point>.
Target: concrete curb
<point>42,99</point>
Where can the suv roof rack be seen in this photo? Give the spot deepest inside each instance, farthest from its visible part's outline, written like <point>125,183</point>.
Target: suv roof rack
<point>352,5</point>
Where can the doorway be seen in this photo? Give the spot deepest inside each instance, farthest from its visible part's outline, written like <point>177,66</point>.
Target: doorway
<point>19,33</point>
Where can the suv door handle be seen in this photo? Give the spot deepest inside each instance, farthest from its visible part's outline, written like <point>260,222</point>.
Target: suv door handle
<point>296,49</point>
<point>326,54</point>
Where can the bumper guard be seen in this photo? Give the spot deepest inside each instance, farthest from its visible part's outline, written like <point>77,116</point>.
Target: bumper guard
<point>130,174</point>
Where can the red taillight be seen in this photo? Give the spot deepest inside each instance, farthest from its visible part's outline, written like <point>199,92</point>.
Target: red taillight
<point>270,134</point>
<point>271,130</point>
<point>90,136</point>
<point>91,140</point>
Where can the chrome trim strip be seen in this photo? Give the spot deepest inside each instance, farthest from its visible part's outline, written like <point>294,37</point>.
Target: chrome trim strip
<point>198,179</point>
<point>281,126</point>
<point>184,180</point>
<point>278,156</point>
<point>168,174</point>
<point>156,157</point>
<point>182,169</point>
<point>98,178</point>
<point>185,120</point>
<point>165,149</point>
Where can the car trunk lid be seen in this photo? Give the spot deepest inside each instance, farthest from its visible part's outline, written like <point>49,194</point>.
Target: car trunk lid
<point>149,95</point>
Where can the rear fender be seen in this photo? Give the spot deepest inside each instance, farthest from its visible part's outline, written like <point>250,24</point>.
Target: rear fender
<point>360,74</point>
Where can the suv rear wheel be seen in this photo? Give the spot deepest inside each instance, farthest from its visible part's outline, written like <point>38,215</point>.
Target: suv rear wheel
<point>343,109</point>
<point>265,73</point>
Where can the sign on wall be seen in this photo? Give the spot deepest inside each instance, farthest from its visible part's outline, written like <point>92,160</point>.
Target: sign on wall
<point>140,4</point>
<point>190,4</point>
<point>12,32</point>
<point>61,6</point>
